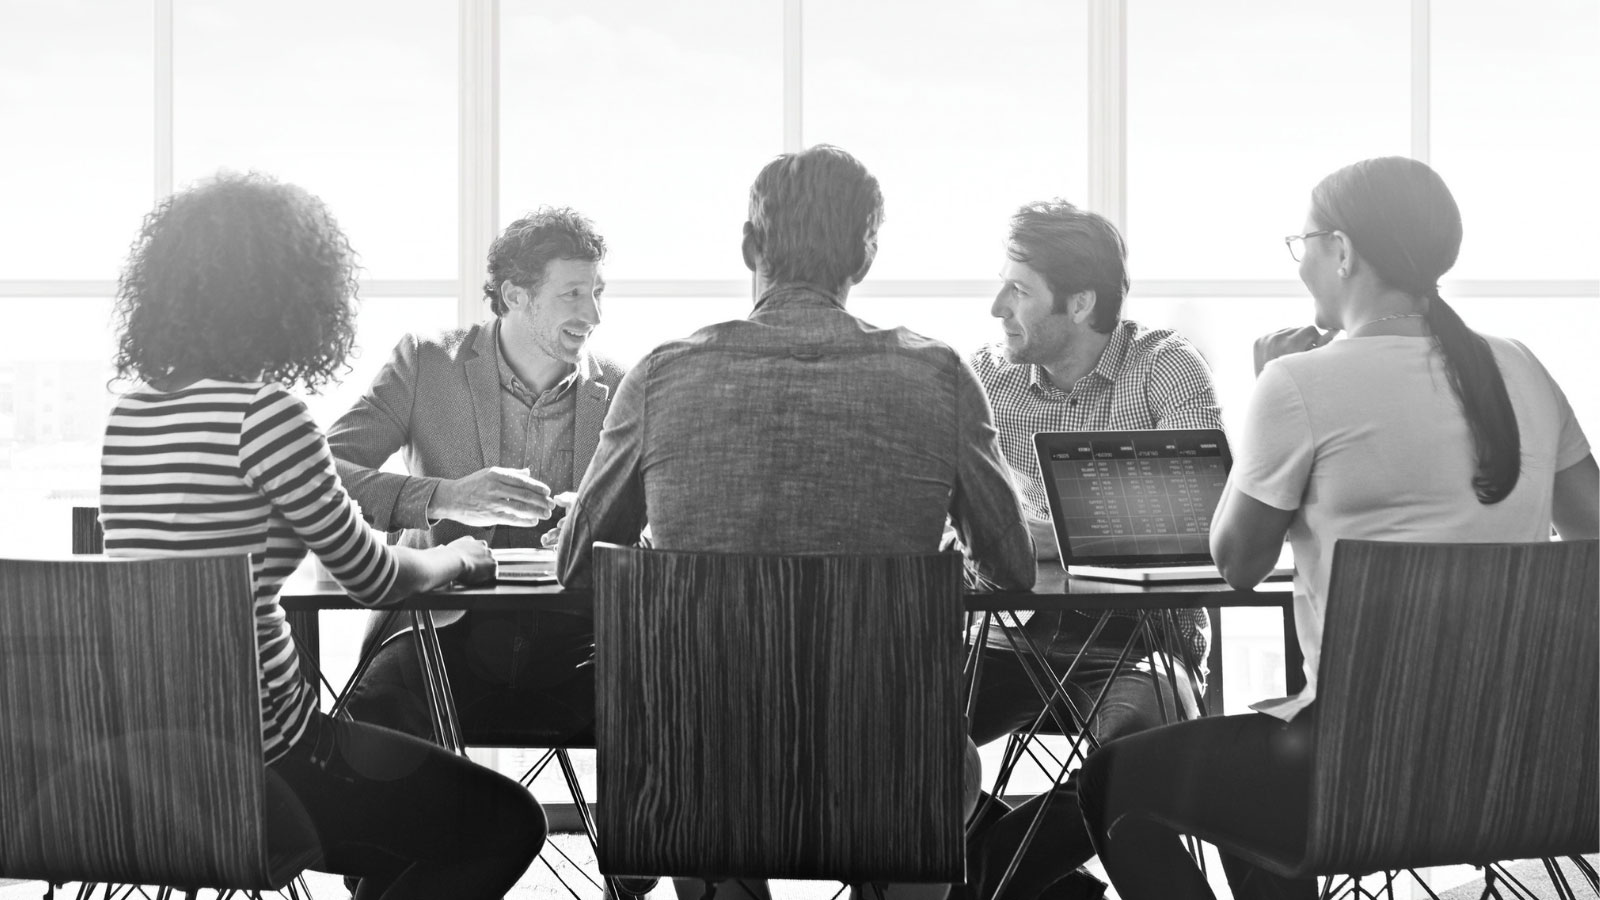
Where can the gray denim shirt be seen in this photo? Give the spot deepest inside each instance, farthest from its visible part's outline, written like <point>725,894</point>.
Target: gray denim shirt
<point>801,429</point>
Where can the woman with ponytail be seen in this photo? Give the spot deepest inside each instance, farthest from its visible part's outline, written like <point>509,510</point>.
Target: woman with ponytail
<point>1412,427</point>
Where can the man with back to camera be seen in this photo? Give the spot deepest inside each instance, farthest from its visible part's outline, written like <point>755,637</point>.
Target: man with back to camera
<point>1069,362</point>
<point>802,429</point>
<point>492,420</point>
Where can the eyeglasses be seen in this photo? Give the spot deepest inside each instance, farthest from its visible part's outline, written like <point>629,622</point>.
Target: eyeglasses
<point>1297,243</point>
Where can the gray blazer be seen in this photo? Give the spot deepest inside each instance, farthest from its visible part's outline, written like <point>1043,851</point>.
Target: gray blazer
<point>437,402</point>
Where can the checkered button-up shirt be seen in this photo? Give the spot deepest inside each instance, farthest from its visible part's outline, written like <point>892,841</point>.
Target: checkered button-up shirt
<point>1146,378</point>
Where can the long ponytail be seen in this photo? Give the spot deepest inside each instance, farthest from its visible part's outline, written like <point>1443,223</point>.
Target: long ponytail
<point>1478,384</point>
<point>1402,221</point>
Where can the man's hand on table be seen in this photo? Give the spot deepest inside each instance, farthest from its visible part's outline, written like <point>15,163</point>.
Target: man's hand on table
<point>492,496</point>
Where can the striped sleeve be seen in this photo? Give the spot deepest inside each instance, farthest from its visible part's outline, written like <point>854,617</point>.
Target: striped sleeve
<point>285,457</point>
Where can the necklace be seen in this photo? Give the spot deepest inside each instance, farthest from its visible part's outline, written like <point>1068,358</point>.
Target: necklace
<point>1385,319</point>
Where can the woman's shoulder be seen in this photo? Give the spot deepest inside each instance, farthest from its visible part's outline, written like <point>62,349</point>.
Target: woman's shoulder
<point>273,406</point>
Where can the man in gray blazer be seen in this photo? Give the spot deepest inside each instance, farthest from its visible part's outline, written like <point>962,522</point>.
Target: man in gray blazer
<point>491,421</point>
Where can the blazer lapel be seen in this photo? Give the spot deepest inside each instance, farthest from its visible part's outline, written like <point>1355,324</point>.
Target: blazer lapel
<point>483,383</point>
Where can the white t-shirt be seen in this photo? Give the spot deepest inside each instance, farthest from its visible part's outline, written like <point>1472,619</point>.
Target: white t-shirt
<point>1365,439</point>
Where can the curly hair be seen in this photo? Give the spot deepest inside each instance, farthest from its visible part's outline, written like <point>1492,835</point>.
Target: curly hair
<point>240,277</point>
<point>521,254</point>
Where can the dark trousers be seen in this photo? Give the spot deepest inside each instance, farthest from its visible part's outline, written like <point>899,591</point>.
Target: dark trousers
<point>518,679</point>
<point>408,817</point>
<point>1138,696</point>
<point>1227,775</point>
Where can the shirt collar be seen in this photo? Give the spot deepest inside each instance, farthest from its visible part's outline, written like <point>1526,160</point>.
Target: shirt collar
<point>1107,369</point>
<point>798,295</point>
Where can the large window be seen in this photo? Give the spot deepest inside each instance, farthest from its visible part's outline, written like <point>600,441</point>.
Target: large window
<point>355,101</point>
<point>626,111</point>
<point>963,110</point>
<point>77,117</point>
<point>1515,127</point>
<point>1236,109</point>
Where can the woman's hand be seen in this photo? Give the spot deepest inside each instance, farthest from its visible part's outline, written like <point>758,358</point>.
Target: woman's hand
<point>1290,340</point>
<point>477,561</point>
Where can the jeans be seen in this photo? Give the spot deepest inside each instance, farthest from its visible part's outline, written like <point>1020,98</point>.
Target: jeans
<point>409,818</point>
<point>518,679</point>
<point>1138,696</point>
<point>1243,775</point>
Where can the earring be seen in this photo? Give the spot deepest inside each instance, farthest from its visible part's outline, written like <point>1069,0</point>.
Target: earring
<point>1344,272</point>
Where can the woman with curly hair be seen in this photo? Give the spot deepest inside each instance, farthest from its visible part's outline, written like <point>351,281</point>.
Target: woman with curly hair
<point>235,290</point>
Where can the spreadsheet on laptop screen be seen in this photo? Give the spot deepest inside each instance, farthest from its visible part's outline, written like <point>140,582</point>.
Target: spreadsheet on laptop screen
<point>1138,496</point>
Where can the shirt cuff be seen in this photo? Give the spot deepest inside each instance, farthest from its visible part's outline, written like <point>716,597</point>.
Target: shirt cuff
<point>411,508</point>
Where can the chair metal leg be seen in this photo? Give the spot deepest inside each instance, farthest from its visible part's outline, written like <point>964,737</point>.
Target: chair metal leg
<point>1558,879</point>
<point>1588,872</point>
<point>1420,881</point>
<point>553,871</point>
<point>436,682</point>
<point>1514,885</point>
<point>615,887</point>
<point>537,769</point>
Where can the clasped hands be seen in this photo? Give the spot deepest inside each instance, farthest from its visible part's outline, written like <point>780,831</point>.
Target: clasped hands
<point>1289,340</point>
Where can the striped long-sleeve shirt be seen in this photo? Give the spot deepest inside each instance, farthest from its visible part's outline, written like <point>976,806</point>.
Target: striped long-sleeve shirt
<point>221,468</point>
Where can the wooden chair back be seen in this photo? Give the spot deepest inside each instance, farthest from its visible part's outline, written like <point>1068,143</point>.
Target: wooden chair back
<point>131,749</point>
<point>1457,712</point>
<point>87,536</point>
<point>779,716</point>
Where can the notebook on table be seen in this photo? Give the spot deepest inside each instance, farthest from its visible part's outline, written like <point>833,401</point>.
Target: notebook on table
<point>528,565</point>
<point>1136,506</point>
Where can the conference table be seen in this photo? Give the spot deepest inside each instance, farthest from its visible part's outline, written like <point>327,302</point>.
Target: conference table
<point>310,591</point>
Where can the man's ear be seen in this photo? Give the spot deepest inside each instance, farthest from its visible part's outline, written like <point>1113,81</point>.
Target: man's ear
<point>1081,306</point>
<point>510,294</point>
<point>750,247</point>
<point>869,252</point>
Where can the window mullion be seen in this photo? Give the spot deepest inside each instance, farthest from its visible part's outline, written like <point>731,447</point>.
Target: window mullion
<point>1421,80</point>
<point>793,75</point>
<point>163,98</point>
<point>478,172</point>
<point>1108,110</point>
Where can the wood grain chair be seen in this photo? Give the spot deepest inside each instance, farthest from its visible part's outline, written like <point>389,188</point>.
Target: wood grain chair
<point>1457,713</point>
<point>779,716</point>
<point>131,749</point>
<point>87,536</point>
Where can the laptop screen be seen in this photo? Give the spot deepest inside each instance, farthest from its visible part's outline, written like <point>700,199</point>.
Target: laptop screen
<point>1133,497</point>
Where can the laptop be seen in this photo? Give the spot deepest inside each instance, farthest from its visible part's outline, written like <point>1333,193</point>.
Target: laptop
<point>1136,506</point>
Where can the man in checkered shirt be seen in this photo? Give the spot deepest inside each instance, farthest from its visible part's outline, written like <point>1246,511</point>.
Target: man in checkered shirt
<point>1069,362</point>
